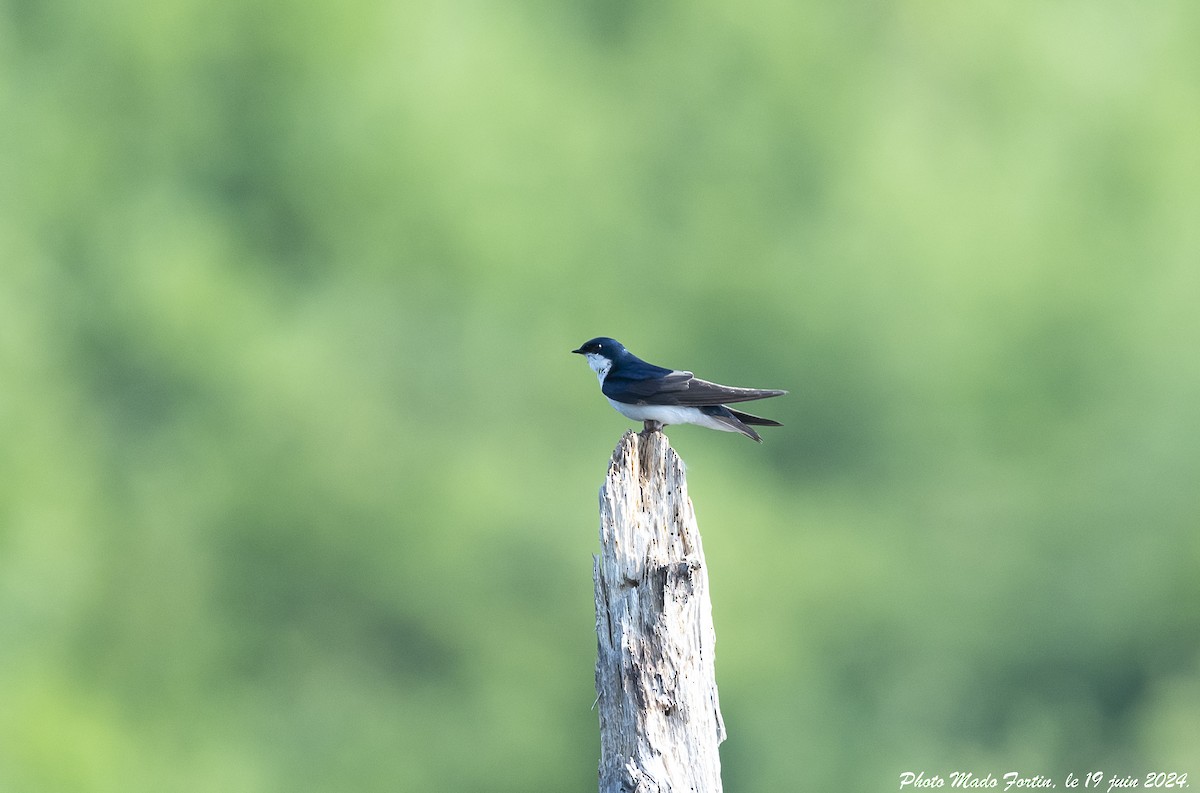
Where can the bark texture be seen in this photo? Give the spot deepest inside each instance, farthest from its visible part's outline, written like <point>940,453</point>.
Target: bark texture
<point>660,720</point>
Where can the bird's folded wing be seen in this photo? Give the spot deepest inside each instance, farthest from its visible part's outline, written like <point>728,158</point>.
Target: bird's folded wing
<point>680,388</point>
<point>627,388</point>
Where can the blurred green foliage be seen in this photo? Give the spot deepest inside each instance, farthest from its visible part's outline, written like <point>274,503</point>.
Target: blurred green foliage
<point>299,479</point>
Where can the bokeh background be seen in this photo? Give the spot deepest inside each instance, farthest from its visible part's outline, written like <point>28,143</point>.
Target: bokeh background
<point>298,478</point>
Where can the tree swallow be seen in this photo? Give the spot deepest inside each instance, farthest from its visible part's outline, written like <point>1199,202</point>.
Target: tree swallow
<point>657,396</point>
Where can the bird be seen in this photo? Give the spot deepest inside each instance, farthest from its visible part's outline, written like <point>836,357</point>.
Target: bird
<point>658,396</point>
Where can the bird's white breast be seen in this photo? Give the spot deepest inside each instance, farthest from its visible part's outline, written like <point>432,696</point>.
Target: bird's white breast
<point>600,365</point>
<point>669,414</point>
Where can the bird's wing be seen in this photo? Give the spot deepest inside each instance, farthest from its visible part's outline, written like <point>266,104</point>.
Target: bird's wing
<point>644,386</point>
<point>679,388</point>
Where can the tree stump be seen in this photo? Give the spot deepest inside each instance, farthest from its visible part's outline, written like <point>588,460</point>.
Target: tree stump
<point>660,719</point>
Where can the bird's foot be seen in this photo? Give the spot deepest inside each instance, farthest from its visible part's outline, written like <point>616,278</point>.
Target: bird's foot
<point>649,425</point>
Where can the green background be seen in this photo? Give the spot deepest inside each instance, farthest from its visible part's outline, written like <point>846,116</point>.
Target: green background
<point>298,477</point>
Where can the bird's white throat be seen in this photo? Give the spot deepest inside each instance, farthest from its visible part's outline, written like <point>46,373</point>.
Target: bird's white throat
<point>600,365</point>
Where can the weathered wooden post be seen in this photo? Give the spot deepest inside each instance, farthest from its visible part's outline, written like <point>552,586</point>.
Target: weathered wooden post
<point>660,720</point>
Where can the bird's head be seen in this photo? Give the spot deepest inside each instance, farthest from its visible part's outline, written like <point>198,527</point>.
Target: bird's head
<point>601,352</point>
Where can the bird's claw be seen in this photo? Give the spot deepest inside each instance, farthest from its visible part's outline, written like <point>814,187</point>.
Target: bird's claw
<point>649,425</point>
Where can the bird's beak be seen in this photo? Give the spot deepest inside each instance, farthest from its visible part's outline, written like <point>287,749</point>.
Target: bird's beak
<point>579,351</point>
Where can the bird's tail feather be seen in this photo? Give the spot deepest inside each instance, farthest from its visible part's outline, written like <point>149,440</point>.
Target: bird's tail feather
<point>750,418</point>
<point>738,421</point>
